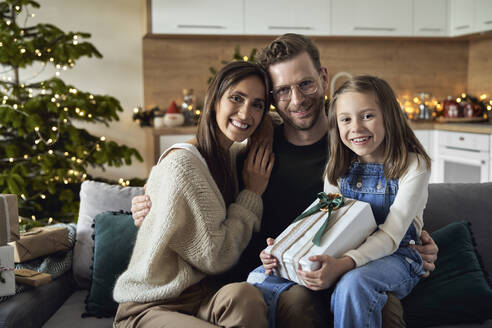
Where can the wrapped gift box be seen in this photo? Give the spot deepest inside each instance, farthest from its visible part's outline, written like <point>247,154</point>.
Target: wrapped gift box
<point>31,277</point>
<point>39,242</point>
<point>9,219</point>
<point>348,228</point>
<point>7,277</point>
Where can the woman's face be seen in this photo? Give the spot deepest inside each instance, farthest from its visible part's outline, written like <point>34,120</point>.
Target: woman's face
<point>240,110</point>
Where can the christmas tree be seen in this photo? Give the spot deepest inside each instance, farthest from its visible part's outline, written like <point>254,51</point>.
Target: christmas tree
<point>43,155</point>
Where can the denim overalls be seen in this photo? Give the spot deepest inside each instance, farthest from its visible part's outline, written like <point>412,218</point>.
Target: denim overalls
<point>360,295</point>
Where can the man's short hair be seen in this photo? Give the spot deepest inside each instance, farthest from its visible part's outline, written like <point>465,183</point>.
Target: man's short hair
<point>287,46</point>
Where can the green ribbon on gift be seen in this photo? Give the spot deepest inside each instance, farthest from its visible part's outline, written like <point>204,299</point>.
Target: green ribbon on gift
<point>327,203</point>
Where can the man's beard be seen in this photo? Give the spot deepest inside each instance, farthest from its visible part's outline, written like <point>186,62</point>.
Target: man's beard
<point>317,108</point>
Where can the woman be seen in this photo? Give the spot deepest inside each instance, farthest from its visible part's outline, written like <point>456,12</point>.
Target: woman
<point>199,223</point>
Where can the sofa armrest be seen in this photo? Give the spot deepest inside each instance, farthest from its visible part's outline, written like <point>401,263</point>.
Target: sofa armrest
<point>33,307</point>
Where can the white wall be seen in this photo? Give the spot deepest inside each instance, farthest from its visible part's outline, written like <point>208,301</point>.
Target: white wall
<point>117,28</point>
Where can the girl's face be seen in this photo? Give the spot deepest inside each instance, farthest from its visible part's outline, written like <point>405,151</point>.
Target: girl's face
<point>361,126</point>
<point>240,110</point>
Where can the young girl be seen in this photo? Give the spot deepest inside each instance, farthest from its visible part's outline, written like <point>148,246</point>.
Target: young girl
<point>199,223</point>
<point>376,158</point>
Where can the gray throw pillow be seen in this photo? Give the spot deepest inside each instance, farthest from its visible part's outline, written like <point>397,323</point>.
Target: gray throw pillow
<point>96,197</point>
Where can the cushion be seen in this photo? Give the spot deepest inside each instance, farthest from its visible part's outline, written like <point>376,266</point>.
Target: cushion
<point>96,197</point>
<point>457,291</point>
<point>114,238</point>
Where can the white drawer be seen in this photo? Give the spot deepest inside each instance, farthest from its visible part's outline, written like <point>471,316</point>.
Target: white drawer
<point>464,141</point>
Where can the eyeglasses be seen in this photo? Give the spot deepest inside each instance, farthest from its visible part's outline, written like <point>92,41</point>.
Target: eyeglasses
<point>307,87</point>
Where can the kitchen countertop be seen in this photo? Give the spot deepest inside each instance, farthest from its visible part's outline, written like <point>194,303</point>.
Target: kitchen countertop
<point>479,127</point>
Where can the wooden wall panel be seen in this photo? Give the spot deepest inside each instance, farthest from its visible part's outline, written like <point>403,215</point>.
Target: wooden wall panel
<point>480,67</point>
<point>438,66</point>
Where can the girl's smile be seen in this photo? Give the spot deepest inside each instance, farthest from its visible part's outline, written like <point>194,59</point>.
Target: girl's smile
<point>361,126</point>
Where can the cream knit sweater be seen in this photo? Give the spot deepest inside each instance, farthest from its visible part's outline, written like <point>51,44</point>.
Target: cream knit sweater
<point>188,233</point>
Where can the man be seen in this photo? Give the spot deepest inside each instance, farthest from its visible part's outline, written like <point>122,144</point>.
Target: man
<point>300,147</point>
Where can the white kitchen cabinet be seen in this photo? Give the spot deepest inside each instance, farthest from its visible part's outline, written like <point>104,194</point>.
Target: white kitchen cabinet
<point>276,17</point>
<point>462,17</point>
<point>372,18</point>
<point>430,17</point>
<point>463,157</point>
<point>483,15</point>
<point>426,138</point>
<point>197,17</point>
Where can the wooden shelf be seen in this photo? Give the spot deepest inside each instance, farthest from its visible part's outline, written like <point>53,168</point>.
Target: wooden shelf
<point>189,129</point>
<point>153,142</point>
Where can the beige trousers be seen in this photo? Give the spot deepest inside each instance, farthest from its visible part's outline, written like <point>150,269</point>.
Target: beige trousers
<point>199,306</point>
<point>301,307</point>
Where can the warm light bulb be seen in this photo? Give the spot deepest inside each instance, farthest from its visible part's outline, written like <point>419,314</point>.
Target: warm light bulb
<point>245,58</point>
<point>43,196</point>
<point>103,138</point>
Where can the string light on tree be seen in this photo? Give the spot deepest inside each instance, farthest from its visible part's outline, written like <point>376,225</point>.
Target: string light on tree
<point>35,115</point>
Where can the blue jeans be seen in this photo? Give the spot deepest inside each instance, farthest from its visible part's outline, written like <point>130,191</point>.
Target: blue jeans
<point>360,295</point>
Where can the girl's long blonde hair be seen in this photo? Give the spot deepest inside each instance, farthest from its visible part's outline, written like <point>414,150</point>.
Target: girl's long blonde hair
<point>399,138</point>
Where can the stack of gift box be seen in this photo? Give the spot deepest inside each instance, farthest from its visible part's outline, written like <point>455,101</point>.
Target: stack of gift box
<point>19,248</point>
<point>9,232</point>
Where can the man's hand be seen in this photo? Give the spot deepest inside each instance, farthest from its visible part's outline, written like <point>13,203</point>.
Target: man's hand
<point>140,208</point>
<point>329,273</point>
<point>428,251</point>
<point>269,261</point>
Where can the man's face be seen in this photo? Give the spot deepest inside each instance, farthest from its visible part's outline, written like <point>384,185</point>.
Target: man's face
<point>301,111</point>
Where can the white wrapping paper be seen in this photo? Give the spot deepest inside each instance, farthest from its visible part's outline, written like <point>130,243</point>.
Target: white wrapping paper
<point>349,227</point>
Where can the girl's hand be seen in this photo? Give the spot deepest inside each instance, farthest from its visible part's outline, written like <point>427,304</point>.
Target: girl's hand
<point>269,261</point>
<point>257,168</point>
<point>329,273</point>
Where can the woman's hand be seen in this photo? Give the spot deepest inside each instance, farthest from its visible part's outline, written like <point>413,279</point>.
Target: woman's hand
<point>428,251</point>
<point>257,168</point>
<point>263,133</point>
<point>329,273</point>
<point>269,261</point>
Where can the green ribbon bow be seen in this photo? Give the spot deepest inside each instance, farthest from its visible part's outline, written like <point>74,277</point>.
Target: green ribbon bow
<point>327,203</point>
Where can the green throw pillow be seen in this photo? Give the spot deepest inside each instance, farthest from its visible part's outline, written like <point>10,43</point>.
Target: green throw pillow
<point>457,291</point>
<point>114,238</point>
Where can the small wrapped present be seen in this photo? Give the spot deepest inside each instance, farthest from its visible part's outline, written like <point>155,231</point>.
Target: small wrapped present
<point>39,242</point>
<point>7,279</point>
<point>9,219</point>
<point>331,225</point>
<point>31,277</point>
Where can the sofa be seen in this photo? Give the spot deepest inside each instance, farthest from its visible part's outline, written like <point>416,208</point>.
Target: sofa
<point>62,302</point>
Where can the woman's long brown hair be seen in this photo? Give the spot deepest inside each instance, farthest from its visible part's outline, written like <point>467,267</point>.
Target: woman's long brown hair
<point>399,138</point>
<point>218,159</point>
